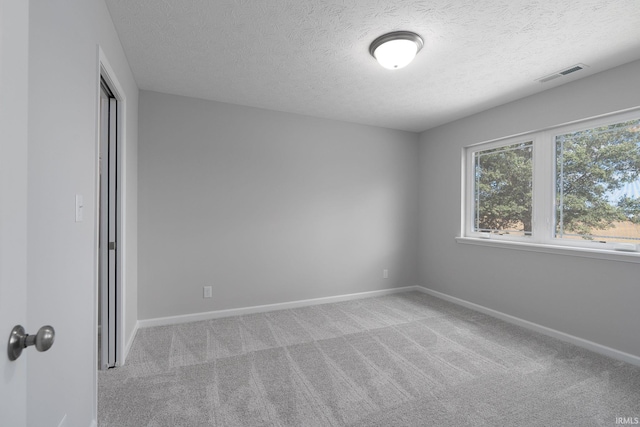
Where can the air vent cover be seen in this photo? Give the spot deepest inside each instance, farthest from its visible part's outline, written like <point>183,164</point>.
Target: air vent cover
<point>562,73</point>
<point>571,70</point>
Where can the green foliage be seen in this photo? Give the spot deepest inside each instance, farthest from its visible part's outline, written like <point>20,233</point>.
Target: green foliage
<point>504,188</point>
<point>591,165</point>
<point>630,208</point>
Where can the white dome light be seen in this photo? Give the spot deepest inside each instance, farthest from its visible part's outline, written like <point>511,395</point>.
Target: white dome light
<point>396,50</point>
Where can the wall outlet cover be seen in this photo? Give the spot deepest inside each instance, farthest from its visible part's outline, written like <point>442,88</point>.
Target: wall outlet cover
<point>208,292</point>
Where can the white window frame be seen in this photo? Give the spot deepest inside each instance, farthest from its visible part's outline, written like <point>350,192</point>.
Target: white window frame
<point>470,187</point>
<point>542,238</point>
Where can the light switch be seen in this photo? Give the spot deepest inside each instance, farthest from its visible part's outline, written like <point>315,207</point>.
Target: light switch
<point>79,208</point>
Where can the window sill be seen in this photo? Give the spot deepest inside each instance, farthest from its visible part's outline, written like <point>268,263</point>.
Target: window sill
<point>610,255</point>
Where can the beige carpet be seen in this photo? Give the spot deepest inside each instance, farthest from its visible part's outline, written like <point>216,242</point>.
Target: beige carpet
<point>401,360</point>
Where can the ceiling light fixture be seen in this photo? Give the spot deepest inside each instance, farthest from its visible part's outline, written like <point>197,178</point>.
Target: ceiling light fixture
<point>396,50</point>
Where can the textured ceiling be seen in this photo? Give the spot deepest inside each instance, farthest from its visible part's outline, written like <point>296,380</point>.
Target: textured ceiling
<point>311,56</point>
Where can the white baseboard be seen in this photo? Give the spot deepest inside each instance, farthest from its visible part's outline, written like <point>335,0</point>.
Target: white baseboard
<point>589,345</point>
<point>129,343</point>
<point>196,317</point>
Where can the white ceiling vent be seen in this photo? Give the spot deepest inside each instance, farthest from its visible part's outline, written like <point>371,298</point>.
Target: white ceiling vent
<point>562,73</point>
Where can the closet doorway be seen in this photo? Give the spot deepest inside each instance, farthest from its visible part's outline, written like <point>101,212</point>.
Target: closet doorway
<point>108,230</point>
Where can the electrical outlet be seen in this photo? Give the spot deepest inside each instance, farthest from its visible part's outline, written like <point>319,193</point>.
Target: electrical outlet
<point>385,274</point>
<point>208,292</point>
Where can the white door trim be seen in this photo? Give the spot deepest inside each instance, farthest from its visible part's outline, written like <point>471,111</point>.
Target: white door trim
<point>105,71</point>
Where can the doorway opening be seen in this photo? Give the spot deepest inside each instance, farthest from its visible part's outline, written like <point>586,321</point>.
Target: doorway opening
<point>108,230</point>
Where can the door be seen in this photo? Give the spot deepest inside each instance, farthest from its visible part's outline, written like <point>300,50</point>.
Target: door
<point>13,203</point>
<point>108,226</point>
<point>48,211</point>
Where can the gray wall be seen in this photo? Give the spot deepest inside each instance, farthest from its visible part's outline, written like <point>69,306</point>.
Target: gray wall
<point>592,299</point>
<point>268,207</point>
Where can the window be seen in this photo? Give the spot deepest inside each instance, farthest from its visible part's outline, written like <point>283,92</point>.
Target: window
<point>576,185</point>
<point>597,183</point>
<point>503,184</point>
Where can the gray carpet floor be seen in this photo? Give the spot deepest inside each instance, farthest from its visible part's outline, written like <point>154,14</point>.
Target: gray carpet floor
<point>400,360</point>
